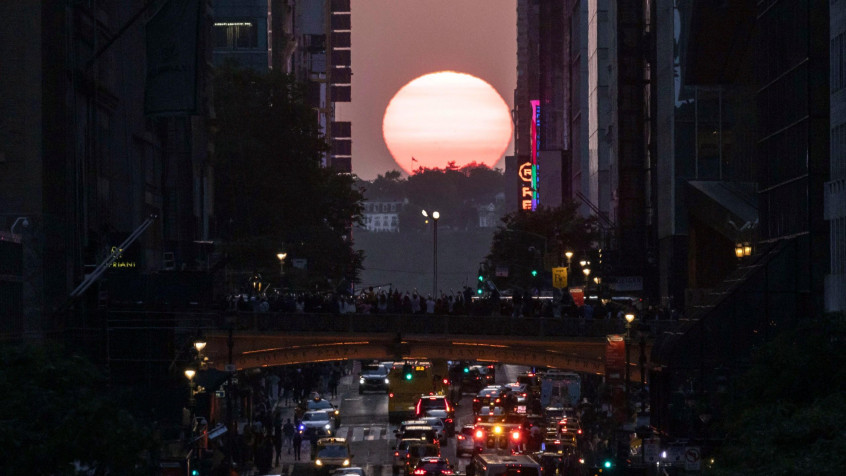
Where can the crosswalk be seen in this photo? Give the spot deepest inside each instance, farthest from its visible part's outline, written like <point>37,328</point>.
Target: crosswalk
<point>364,432</point>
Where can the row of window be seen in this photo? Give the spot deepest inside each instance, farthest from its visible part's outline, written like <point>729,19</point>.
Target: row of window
<point>380,207</point>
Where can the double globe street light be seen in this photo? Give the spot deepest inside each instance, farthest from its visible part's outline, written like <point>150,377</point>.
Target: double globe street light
<point>435,216</point>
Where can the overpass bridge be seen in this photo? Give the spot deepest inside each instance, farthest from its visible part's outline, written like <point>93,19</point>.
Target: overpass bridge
<point>274,339</point>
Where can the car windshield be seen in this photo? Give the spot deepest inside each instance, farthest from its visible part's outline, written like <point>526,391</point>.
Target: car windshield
<point>316,416</point>
<point>333,451</point>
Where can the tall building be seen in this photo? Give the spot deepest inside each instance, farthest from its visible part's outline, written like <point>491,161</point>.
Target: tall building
<point>743,159</point>
<point>309,39</point>
<point>835,189</point>
<point>96,137</point>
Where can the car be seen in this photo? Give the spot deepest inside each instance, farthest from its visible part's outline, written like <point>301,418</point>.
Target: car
<point>330,454</point>
<point>569,425</point>
<point>349,471</point>
<point>401,453</point>
<point>433,466</point>
<point>449,422</point>
<point>419,432</point>
<point>497,438</point>
<point>520,392</point>
<point>490,414</point>
<point>374,378</point>
<point>418,450</point>
<point>464,441</point>
<point>558,446</point>
<point>318,403</point>
<point>488,396</point>
<point>433,402</point>
<point>439,427</point>
<point>316,421</point>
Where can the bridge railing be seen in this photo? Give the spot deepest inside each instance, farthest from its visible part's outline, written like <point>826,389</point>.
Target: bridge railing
<point>422,324</point>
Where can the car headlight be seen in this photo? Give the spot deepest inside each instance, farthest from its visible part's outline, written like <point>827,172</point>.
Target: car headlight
<point>327,426</point>
<point>361,381</point>
<point>387,382</point>
<point>337,411</point>
<point>317,462</point>
<point>346,462</point>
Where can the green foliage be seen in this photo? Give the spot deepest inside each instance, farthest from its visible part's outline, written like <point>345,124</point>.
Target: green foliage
<point>788,412</point>
<point>455,192</point>
<point>520,242</point>
<point>271,191</point>
<point>57,411</point>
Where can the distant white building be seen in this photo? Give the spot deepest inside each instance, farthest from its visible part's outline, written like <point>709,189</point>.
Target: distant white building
<point>490,213</point>
<point>382,216</point>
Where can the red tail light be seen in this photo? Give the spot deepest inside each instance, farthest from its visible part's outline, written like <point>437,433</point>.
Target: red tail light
<point>448,420</point>
<point>459,437</point>
<point>579,431</point>
<point>515,436</point>
<point>390,395</point>
<point>396,453</point>
<point>419,472</point>
<point>480,434</point>
<point>447,472</point>
<point>446,381</point>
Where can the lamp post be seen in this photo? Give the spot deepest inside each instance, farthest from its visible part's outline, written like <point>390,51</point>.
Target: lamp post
<point>569,255</point>
<point>189,374</point>
<point>281,256</point>
<point>435,216</point>
<point>629,318</point>
<point>586,272</point>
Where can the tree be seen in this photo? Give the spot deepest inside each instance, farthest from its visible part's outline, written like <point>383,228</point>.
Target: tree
<point>787,412</point>
<point>529,241</point>
<point>272,193</point>
<point>57,412</point>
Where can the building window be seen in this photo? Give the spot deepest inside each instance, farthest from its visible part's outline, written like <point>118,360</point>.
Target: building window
<point>233,35</point>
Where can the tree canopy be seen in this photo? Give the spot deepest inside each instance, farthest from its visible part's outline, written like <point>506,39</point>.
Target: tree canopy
<point>787,413</point>
<point>454,191</point>
<point>272,192</point>
<point>57,413</point>
<point>527,241</point>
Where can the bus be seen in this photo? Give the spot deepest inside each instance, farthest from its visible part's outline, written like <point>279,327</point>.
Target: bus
<point>410,379</point>
<point>561,388</point>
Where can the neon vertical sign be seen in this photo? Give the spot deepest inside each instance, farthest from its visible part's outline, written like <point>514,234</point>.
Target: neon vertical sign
<point>528,171</point>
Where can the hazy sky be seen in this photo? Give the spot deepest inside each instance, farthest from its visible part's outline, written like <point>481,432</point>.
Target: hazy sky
<point>395,41</point>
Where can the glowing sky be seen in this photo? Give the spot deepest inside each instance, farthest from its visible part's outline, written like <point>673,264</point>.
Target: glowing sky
<point>446,116</point>
<point>396,41</point>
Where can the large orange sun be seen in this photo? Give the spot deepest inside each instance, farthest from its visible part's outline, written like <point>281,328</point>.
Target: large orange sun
<point>446,117</point>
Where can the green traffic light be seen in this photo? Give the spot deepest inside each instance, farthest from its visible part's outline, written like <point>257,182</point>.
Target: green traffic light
<point>408,376</point>
<point>478,291</point>
<point>534,272</point>
<point>607,463</point>
<point>481,278</point>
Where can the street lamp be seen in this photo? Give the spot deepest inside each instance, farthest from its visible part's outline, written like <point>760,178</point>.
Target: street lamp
<point>435,216</point>
<point>629,318</point>
<point>586,271</point>
<point>281,257</point>
<point>189,374</point>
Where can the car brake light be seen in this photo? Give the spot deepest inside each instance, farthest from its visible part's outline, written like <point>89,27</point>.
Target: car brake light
<point>515,436</point>
<point>390,395</point>
<point>459,437</point>
<point>419,471</point>
<point>480,434</point>
<point>447,472</point>
<point>396,453</point>
<point>579,431</point>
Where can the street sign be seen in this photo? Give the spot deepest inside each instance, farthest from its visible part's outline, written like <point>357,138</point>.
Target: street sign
<point>559,278</point>
<point>692,458</point>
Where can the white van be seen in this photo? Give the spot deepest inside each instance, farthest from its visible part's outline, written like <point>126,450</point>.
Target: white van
<point>503,465</point>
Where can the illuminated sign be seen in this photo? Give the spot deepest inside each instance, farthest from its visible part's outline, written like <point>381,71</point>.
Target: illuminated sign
<point>121,264</point>
<point>528,171</point>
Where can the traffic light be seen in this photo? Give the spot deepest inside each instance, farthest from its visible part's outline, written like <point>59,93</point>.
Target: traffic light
<point>534,273</point>
<point>481,277</point>
<point>406,371</point>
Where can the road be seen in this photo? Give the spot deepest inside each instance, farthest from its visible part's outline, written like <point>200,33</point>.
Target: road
<point>371,437</point>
